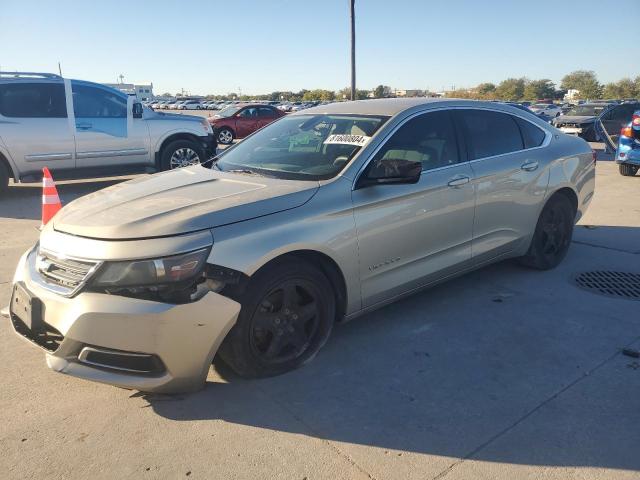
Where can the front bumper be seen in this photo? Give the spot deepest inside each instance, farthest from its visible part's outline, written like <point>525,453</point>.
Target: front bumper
<point>179,340</point>
<point>210,145</point>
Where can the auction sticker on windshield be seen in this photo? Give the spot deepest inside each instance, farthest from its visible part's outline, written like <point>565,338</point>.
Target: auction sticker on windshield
<point>357,140</point>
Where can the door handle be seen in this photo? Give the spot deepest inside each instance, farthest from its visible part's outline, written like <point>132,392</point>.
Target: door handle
<point>84,126</point>
<point>458,181</point>
<point>529,166</point>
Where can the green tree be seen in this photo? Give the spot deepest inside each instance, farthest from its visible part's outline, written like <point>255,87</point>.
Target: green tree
<point>539,89</point>
<point>381,91</point>
<point>486,90</point>
<point>511,89</point>
<point>585,81</point>
<point>624,88</point>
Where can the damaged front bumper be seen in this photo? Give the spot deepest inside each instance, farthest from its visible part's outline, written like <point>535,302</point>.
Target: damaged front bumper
<point>138,344</point>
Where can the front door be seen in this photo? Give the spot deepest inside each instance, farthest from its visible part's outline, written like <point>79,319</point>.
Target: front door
<point>107,135</point>
<point>510,179</point>
<point>412,234</point>
<point>617,117</point>
<point>35,126</point>
<point>246,121</point>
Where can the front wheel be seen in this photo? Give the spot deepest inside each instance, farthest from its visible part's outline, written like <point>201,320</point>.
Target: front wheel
<point>552,235</point>
<point>225,136</point>
<point>287,315</point>
<point>181,153</point>
<point>627,170</point>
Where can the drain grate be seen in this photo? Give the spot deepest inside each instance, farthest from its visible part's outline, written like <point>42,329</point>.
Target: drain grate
<point>611,284</point>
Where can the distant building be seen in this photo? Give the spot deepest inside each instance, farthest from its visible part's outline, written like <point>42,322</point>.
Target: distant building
<point>408,93</point>
<point>142,92</point>
<point>572,94</point>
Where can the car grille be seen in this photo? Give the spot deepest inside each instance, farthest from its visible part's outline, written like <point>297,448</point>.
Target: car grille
<point>67,275</point>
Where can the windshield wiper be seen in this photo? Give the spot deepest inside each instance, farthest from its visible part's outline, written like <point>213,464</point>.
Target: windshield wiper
<point>243,170</point>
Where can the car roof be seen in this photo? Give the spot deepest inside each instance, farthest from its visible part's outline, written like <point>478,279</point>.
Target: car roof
<point>394,106</point>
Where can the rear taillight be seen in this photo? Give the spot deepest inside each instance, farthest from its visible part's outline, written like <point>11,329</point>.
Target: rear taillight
<point>627,132</point>
<point>635,120</point>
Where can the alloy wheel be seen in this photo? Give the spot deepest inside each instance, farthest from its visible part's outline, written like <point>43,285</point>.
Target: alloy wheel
<point>285,323</point>
<point>184,157</point>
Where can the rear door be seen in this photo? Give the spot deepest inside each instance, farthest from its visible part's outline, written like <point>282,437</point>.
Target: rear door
<point>266,115</point>
<point>107,135</point>
<point>34,125</point>
<point>509,178</point>
<point>613,119</point>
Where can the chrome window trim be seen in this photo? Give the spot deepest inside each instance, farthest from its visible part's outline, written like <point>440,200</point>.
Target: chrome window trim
<point>545,142</point>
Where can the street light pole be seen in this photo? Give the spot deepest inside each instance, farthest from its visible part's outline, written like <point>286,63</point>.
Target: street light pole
<point>353,50</point>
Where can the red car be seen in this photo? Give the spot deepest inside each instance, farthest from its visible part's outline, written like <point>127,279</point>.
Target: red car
<point>238,121</point>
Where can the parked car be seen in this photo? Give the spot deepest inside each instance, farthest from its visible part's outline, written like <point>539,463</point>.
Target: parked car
<point>628,151</point>
<point>319,217</point>
<point>240,121</point>
<point>106,132</point>
<point>611,120</point>
<point>580,120</point>
<point>548,109</point>
<point>190,105</point>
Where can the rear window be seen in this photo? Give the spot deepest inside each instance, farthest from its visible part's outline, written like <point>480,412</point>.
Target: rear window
<point>33,100</point>
<point>531,135</point>
<point>490,133</point>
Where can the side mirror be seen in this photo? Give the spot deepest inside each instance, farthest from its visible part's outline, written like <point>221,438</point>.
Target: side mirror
<point>137,110</point>
<point>391,171</point>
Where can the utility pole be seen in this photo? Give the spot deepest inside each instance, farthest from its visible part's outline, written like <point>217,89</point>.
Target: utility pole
<point>353,49</point>
<point>59,69</point>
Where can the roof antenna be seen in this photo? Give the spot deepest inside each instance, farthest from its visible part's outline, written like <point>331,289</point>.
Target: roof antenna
<point>59,69</point>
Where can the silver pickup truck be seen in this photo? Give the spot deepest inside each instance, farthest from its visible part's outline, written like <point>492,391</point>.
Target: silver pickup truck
<point>80,129</point>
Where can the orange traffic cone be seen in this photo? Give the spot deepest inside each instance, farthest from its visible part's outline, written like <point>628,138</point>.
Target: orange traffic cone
<point>50,199</point>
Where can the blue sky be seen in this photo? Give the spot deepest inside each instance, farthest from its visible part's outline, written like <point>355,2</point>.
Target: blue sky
<point>214,46</point>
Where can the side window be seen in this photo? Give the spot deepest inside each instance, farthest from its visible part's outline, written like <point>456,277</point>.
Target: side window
<point>33,100</point>
<point>429,139</point>
<point>265,112</point>
<point>93,102</point>
<point>490,133</point>
<point>249,112</point>
<point>533,136</point>
<point>623,113</point>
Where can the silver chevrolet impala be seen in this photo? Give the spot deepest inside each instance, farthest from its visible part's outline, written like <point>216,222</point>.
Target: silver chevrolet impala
<point>319,217</point>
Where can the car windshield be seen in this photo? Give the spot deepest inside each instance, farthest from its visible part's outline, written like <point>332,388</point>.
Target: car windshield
<point>227,112</point>
<point>586,110</point>
<point>302,147</point>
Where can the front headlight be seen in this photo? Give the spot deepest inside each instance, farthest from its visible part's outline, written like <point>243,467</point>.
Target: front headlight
<point>152,272</point>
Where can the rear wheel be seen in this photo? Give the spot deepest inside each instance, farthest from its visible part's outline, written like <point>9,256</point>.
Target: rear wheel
<point>225,136</point>
<point>552,236</point>
<point>628,170</point>
<point>181,153</point>
<point>287,315</point>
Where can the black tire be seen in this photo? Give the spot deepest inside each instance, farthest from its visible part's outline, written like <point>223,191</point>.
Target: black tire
<point>627,170</point>
<point>174,148</point>
<point>552,236</point>
<point>4,178</point>
<point>272,335</point>
<point>225,136</point>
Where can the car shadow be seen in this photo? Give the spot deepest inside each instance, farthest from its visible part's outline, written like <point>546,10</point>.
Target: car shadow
<point>24,201</point>
<point>446,371</point>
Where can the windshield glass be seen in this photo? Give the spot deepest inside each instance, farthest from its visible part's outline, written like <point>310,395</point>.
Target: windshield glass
<point>540,105</point>
<point>586,110</point>
<point>302,147</point>
<point>227,112</point>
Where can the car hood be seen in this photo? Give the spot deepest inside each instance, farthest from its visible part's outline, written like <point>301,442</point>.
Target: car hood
<point>177,202</point>
<point>150,114</point>
<point>575,119</point>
